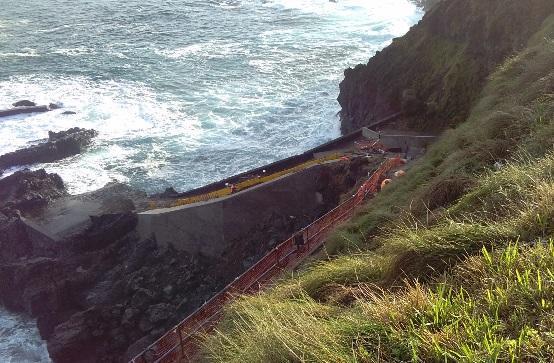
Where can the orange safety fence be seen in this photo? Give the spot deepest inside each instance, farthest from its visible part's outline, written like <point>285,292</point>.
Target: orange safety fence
<point>181,343</point>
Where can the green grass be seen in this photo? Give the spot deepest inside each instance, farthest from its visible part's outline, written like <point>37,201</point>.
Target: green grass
<point>453,263</point>
<point>494,307</point>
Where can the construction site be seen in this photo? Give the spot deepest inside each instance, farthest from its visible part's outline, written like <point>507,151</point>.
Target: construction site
<point>207,219</point>
<point>242,231</point>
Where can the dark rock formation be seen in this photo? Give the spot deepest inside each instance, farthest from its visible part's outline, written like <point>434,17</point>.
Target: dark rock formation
<point>444,60</point>
<point>93,303</point>
<point>168,193</point>
<point>343,179</point>
<point>69,113</point>
<point>76,133</point>
<point>26,106</point>
<point>59,145</point>
<point>23,110</point>
<point>28,190</point>
<point>24,103</point>
<point>98,292</point>
<point>25,192</point>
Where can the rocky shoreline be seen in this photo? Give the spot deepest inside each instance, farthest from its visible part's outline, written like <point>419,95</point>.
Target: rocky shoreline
<point>100,292</point>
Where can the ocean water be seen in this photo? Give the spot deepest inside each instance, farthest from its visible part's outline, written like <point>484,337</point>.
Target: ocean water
<point>19,340</point>
<point>182,92</point>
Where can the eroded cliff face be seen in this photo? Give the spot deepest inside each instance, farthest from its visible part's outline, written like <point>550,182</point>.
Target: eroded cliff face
<point>436,71</point>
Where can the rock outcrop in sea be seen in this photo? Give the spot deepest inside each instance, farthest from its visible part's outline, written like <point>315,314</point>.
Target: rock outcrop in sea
<point>28,191</point>
<point>26,106</point>
<point>59,145</point>
<point>24,103</point>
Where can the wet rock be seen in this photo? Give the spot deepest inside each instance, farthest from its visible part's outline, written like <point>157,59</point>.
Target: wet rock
<point>22,110</point>
<point>24,103</point>
<point>426,4</point>
<point>69,113</point>
<point>29,283</point>
<point>73,340</point>
<point>169,193</point>
<point>59,145</point>
<point>28,190</point>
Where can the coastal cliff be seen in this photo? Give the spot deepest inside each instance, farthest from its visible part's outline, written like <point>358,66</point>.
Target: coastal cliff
<point>437,70</point>
<point>104,294</point>
<point>450,262</point>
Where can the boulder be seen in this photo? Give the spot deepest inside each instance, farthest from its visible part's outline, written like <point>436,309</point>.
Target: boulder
<point>24,103</point>
<point>23,109</point>
<point>72,341</point>
<point>26,190</point>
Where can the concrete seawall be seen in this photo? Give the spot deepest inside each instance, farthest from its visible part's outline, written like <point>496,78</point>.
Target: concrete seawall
<point>211,227</point>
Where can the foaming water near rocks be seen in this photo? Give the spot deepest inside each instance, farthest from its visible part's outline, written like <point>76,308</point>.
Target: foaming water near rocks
<point>185,93</point>
<point>19,340</point>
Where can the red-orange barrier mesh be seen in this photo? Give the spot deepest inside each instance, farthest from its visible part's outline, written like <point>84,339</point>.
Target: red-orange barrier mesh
<point>180,343</point>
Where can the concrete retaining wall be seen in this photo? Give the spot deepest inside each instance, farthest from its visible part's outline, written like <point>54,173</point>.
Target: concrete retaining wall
<point>209,227</point>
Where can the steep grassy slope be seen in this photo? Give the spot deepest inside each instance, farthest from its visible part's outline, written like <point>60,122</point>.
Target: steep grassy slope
<point>444,60</point>
<point>455,262</point>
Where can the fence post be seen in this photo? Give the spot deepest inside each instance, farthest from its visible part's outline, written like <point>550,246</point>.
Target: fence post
<point>181,342</point>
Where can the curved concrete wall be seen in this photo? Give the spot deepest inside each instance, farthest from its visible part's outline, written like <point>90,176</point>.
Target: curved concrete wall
<point>209,227</point>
